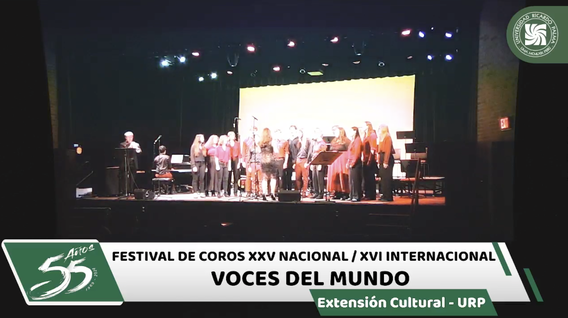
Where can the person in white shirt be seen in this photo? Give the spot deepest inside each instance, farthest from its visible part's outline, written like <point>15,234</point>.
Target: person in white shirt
<point>128,143</point>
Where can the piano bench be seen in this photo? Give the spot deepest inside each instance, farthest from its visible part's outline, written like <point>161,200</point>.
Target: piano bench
<point>158,184</point>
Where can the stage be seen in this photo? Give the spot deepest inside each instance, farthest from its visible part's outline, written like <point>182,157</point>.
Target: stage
<point>183,197</point>
<point>184,217</point>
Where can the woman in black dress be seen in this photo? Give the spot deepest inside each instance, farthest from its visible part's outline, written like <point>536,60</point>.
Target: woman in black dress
<point>268,164</point>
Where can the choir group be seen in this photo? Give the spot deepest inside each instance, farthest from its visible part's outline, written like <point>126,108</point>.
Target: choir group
<point>273,162</point>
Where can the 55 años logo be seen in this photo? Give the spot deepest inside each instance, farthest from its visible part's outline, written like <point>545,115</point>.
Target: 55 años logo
<point>62,272</point>
<point>89,274</point>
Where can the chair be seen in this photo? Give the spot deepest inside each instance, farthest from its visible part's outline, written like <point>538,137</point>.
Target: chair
<point>159,182</point>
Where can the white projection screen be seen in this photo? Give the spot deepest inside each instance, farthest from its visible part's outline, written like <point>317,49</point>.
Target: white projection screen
<point>387,100</point>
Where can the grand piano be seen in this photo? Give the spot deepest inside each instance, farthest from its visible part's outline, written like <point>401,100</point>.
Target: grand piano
<point>181,171</point>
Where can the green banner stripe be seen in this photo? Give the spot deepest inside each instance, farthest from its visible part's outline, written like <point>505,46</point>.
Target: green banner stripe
<point>533,285</point>
<point>501,259</point>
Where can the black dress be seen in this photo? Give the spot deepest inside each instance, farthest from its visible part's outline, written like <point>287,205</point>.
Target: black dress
<point>267,161</point>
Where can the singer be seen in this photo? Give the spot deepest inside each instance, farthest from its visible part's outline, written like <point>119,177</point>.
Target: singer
<point>198,153</point>
<point>236,163</point>
<point>212,164</point>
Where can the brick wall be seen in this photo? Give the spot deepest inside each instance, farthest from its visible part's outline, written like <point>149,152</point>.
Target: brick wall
<point>497,71</point>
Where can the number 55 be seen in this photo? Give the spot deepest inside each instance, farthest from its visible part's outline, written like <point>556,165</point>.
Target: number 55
<point>66,273</point>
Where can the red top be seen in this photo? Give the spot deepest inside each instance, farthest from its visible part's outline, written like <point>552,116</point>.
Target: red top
<point>355,150</point>
<point>370,143</point>
<point>283,149</point>
<point>235,150</point>
<point>224,155</point>
<point>211,151</point>
<point>386,146</point>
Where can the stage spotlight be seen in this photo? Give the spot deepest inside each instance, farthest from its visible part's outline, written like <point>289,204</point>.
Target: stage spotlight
<point>201,79</point>
<point>196,54</point>
<point>432,28</point>
<point>165,63</point>
<point>381,64</point>
<point>302,71</point>
<point>449,57</point>
<point>409,57</point>
<point>181,59</point>
<point>251,48</point>
<point>448,35</point>
<point>213,75</point>
<point>324,64</point>
<point>291,44</point>
<point>334,40</point>
<point>421,34</point>
<point>406,32</point>
<point>430,57</point>
<point>357,62</point>
<point>230,72</point>
<point>276,69</point>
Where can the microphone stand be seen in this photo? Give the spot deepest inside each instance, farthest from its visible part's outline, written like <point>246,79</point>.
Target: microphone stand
<point>157,141</point>
<point>238,168</point>
<point>126,174</point>
<point>255,160</point>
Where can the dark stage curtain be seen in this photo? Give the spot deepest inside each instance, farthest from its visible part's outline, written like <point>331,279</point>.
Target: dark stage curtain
<point>102,96</point>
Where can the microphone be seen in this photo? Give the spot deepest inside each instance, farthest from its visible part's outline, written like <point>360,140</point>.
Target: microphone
<point>255,118</point>
<point>155,141</point>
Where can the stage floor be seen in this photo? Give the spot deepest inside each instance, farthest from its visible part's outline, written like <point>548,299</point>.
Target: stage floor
<point>398,200</point>
<point>186,217</point>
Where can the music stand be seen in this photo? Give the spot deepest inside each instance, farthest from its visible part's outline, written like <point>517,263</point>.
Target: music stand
<point>128,154</point>
<point>405,135</point>
<point>417,150</point>
<point>326,158</point>
<point>419,153</point>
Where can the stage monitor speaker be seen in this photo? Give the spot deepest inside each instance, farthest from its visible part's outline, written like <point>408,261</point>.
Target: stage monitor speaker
<point>143,194</point>
<point>111,181</point>
<point>289,196</point>
<point>105,181</point>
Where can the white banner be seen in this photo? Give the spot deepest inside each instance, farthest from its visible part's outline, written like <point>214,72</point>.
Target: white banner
<point>276,272</point>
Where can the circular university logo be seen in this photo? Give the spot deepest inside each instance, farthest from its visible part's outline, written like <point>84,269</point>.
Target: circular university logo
<point>535,34</point>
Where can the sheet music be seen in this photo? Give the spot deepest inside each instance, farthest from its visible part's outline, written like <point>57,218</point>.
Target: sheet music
<point>176,159</point>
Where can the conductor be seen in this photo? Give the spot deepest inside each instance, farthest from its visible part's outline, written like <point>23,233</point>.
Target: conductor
<point>132,163</point>
<point>130,143</point>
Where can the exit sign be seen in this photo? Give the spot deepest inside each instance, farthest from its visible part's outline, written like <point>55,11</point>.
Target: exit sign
<point>505,123</point>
